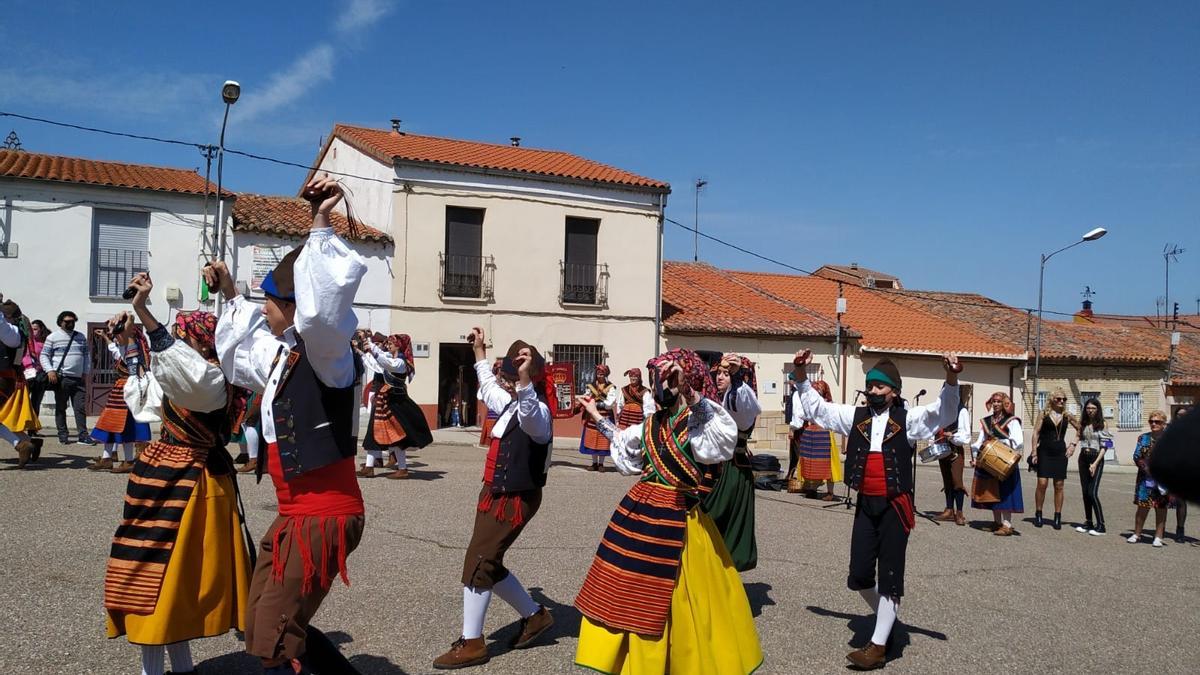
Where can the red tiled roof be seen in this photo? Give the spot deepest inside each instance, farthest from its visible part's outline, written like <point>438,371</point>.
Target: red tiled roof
<point>1186,322</point>
<point>885,325</point>
<point>389,146</point>
<point>292,217</point>
<point>1062,341</point>
<point>33,166</point>
<point>1185,370</point>
<point>699,298</point>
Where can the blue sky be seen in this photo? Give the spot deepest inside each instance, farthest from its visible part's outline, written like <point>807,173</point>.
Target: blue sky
<point>946,142</point>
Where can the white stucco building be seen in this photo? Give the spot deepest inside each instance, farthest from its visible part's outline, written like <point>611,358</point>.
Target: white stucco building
<point>541,245</point>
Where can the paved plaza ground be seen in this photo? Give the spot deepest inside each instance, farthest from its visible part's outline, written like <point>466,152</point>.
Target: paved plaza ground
<point>1043,601</point>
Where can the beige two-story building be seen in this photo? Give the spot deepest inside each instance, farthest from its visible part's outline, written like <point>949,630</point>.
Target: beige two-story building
<point>542,245</point>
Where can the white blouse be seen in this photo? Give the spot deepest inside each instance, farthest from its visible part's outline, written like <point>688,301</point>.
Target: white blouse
<point>922,421</point>
<point>1015,440</point>
<point>530,412</point>
<point>648,405</point>
<point>187,379</point>
<point>748,407</point>
<point>712,434</point>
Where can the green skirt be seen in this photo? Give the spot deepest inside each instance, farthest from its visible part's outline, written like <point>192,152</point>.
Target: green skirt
<point>731,507</point>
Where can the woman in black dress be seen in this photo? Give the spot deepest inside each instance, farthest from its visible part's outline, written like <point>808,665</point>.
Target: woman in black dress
<point>1051,453</point>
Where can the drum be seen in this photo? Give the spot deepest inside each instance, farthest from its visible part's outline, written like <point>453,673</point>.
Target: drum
<point>997,459</point>
<point>936,451</point>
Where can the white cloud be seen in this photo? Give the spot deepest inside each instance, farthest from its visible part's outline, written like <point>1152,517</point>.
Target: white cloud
<point>136,95</point>
<point>362,13</point>
<point>312,68</point>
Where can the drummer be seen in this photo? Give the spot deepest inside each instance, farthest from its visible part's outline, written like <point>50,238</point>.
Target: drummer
<point>1002,498</point>
<point>880,460</point>
<point>956,437</point>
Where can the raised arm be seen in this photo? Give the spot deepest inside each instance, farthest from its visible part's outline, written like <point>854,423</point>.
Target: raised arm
<point>533,415</point>
<point>327,276</point>
<point>742,404</point>
<point>835,417</point>
<point>711,432</point>
<point>245,346</point>
<point>490,392</point>
<point>389,363</point>
<point>186,378</point>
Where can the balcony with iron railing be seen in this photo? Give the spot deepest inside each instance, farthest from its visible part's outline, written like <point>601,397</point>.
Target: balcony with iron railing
<point>466,277</point>
<point>112,268</point>
<point>583,284</point>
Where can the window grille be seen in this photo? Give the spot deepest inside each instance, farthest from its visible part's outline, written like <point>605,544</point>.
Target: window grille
<point>1129,411</point>
<point>585,358</point>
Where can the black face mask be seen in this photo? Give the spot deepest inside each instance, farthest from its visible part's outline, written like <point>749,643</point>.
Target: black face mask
<point>665,398</point>
<point>877,401</point>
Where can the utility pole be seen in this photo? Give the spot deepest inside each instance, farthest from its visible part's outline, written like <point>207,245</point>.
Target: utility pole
<point>1171,252</point>
<point>700,183</point>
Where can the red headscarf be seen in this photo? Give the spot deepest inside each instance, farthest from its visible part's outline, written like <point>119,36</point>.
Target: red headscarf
<point>822,388</point>
<point>603,370</point>
<point>201,327</point>
<point>404,342</point>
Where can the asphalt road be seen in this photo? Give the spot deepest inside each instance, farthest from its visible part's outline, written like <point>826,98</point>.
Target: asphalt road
<point>1042,601</point>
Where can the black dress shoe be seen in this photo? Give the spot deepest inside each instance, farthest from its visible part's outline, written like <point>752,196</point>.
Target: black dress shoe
<point>1037,519</point>
<point>1058,521</point>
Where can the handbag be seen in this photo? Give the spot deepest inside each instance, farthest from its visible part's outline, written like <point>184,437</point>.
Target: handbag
<point>143,396</point>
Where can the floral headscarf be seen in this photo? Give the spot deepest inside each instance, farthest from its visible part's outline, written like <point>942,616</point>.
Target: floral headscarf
<point>404,343</point>
<point>749,375</point>
<point>694,369</point>
<point>602,370</point>
<point>201,327</point>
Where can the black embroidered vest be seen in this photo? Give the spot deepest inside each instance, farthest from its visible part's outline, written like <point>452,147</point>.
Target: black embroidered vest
<point>313,421</point>
<point>898,453</point>
<point>520,461</point>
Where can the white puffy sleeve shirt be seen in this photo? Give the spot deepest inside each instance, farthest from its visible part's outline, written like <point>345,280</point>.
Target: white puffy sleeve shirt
<point>712,434</point>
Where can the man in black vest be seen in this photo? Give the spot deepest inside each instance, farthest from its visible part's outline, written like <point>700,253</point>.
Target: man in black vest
<point>513,477</point>
<point>880,456</point>
<point>295,350</point>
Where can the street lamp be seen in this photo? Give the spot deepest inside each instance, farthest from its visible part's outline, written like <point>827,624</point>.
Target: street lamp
<point>230,91</point>
<point>700,183</point>
<point>1091,235</point>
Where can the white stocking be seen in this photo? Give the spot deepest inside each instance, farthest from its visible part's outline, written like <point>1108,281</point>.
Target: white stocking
<point>181,657</point>
<point>251,434</point>
<point>152,660</point>
<point>511,591</point>
<point>401,458</point>
<point>127,451</point>
<point>110,449</point>
<point>885,617</point>
<point>475,605</point>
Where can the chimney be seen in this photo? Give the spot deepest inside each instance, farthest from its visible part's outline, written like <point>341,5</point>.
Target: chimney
<point>853,265</point>
<point>515,140</point>
<point>396,125</point>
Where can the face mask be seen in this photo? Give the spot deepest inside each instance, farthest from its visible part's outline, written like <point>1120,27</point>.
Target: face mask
<point>665,398</point>
<point>876,401</point>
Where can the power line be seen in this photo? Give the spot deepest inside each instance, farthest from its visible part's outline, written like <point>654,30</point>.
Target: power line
<point>308,168</point>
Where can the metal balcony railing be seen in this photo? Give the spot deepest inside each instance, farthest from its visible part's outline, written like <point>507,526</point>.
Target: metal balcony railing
<point>583,284</point>
<point>466,276</point>
<point>112,268</point>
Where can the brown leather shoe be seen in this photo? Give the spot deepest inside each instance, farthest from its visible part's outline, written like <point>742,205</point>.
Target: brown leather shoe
<point>391,463</point>
<point>123,467</point>
<point>946,516</point>
<point>960,519</point>
<point>591,467</point>
<point>463,653</point>
<point>829,497</point>
<point>532,628</point>
<point>868,658</point>
<point>24,449</point>
<point>1004,531</point>
<point>398,474</point>
<point>249,467</point>
<point>365,472</point>
<point>102,464</point>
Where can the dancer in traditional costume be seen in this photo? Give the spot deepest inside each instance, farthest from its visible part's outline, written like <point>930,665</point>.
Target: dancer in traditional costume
<point>636,403</point>
<point>116,426</point>
<point>179,567</point>
<point>1002,498</point>
<point>18,418</point>
<point>396,422</point>
<point>816,449</point>
<point>513,477</point>
<point>880,465</point>
<point>958,436</point>
<point>295,350</point>
<point>591,441</point>
<point>730,501</point>
<point>662,594</point>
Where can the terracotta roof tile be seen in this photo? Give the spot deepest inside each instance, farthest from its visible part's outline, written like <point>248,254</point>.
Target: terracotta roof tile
<point>1185,371</point>
<point>885,325</point>
<point>292,217</point>
<point>1062,341</point>
<point>388,146</point>
<point>699,298</point>
<point>34,166</point>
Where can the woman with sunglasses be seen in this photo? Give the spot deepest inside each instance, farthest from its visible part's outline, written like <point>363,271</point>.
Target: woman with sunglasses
<point>1050,454</point>
<point>1148,493</point>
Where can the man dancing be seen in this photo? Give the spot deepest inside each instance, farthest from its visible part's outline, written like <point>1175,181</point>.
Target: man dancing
<point>301,362</point>
<point>880,467</point>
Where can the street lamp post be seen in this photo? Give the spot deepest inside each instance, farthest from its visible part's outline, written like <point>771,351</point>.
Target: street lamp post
<point>230,92</point>
<point>700,183</point>
<point>1092,235</point>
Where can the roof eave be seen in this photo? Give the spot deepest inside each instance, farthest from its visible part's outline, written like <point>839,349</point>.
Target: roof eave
<point>230,196</point>
<point>399,162</point>
<point>921,352</point>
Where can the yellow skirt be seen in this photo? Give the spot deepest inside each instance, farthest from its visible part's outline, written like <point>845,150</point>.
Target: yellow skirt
<point>17,412</point>
<point>205,585</point>
<point>710,630</point>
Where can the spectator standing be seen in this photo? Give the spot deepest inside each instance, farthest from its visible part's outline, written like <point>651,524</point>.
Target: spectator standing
<point>66,360</point>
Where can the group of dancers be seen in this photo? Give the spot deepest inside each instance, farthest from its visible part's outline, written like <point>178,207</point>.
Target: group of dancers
<point>663,593</point>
